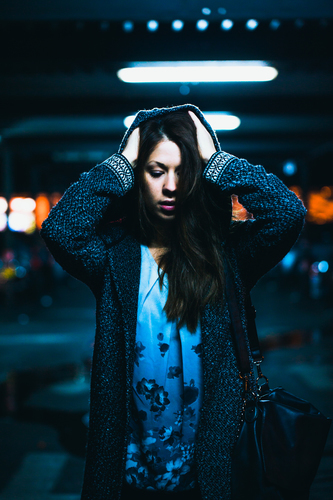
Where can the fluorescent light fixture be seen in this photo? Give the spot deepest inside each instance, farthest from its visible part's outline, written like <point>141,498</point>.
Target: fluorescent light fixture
<point>197,71</point>
<point>222,121</point>
<point>218,120</point>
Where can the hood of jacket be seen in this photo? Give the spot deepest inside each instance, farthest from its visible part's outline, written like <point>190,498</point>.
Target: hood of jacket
<point>217,197</point>
<point>146,114</point>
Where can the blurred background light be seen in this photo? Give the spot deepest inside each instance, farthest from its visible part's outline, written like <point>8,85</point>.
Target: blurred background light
<point>219,120</point>
<point>184,90</point>
<point>3,205</point>
<point>42,209</point>
<point>152,25</point>
<point>326,192</point>
<point>227,24</point>
<point>105,25</point>
<point>3,222</point>
<point>251,24</point>
<point>323,266</point>
<point>198,71</point>
<point>289,168</point>
<point>177,25</point>
<point>289,260</point>
<point>314,267</point>
<point>206,11</point>
<point>222,120</point>
<point>275,24</point>
<point>21,222</point>
<point>128,121</point>
<point>202,25</point>
<point>299,23</point>
<point>23,205</point>
<point>21,217</point>
<point>128,26</point>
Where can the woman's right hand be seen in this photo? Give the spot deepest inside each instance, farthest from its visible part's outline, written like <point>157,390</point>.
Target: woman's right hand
<point>131,149</point>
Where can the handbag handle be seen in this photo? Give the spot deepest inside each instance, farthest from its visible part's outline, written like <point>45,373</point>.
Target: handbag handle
<point>239,332</point>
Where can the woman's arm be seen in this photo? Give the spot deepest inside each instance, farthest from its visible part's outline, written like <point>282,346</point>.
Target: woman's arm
<point>278,215</point>
<point>71,229</point>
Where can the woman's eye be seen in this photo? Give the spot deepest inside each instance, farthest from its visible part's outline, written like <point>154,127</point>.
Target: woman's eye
<point>156,173</point>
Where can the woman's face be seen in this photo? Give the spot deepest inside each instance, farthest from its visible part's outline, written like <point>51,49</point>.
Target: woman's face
<point>160,179</point>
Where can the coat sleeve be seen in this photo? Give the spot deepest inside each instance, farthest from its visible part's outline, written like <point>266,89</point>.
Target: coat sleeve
<point>71,228</point>
<point>278,214</point>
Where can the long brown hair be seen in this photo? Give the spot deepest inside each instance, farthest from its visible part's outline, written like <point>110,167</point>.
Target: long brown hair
<point>194,259</point>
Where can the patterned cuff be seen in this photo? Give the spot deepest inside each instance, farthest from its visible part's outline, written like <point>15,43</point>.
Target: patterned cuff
<point>216,166</point>
<point>122,169</point>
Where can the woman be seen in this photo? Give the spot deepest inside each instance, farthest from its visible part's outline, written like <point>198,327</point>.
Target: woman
<point>166,397</point>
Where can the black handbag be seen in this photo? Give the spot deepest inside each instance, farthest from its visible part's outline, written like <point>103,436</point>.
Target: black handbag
<point>282,437</point>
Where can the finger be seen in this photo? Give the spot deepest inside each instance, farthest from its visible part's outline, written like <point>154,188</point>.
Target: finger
<point>194,117</point>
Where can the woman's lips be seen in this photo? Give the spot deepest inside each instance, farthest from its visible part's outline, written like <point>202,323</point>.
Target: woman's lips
<point>169,206</point>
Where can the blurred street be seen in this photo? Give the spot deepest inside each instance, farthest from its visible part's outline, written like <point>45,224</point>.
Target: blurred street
<point>45,362</point>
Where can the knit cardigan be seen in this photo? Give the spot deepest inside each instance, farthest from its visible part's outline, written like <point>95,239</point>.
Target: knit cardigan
<point>108,260</point>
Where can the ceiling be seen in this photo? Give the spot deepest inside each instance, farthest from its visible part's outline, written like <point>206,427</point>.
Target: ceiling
<point>189,10</point>
<point>62,104</point>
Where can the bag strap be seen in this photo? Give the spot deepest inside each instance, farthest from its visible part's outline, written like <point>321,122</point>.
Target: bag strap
<point>238,327</point>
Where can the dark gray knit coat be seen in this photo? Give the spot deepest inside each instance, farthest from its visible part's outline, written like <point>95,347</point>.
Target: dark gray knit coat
<point>108,260</point>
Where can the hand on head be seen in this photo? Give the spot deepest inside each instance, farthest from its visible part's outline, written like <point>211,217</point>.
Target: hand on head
<point>205,140</point>
<point>131,149</point>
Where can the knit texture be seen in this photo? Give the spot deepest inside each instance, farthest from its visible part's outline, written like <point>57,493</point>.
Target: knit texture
<point>108,260</point>
<point>144,115</point>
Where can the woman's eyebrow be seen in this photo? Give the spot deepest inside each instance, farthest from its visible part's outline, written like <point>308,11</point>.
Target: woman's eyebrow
<point>160,164</point>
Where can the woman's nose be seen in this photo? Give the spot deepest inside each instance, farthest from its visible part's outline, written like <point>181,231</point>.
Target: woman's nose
<point>170,183</point>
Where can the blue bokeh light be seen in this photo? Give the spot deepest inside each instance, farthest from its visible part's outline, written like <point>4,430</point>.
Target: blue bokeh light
<point>177,25</point>
<point>227,24</point>
<point>152,25</point>
<point>323,266</point>
<point>202,25</point>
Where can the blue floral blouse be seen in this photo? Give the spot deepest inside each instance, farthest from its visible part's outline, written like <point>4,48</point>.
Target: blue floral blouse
<point>167,392</point>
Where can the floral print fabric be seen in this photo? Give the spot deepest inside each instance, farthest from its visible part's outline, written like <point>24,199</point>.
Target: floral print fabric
<point>167,392</point>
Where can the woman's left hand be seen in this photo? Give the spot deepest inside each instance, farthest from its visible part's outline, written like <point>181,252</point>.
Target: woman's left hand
<point>205,140</point>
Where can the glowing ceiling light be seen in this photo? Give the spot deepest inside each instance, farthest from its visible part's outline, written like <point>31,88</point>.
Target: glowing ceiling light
<point>128,121</point>
<point>152,25</point>
<point>227,24</point>
<point>198,71</point>
<point>222,121</point>
<point>202,25</point>
<point>177,25</point>
<point>218,120</point>
<point>252,24</point>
